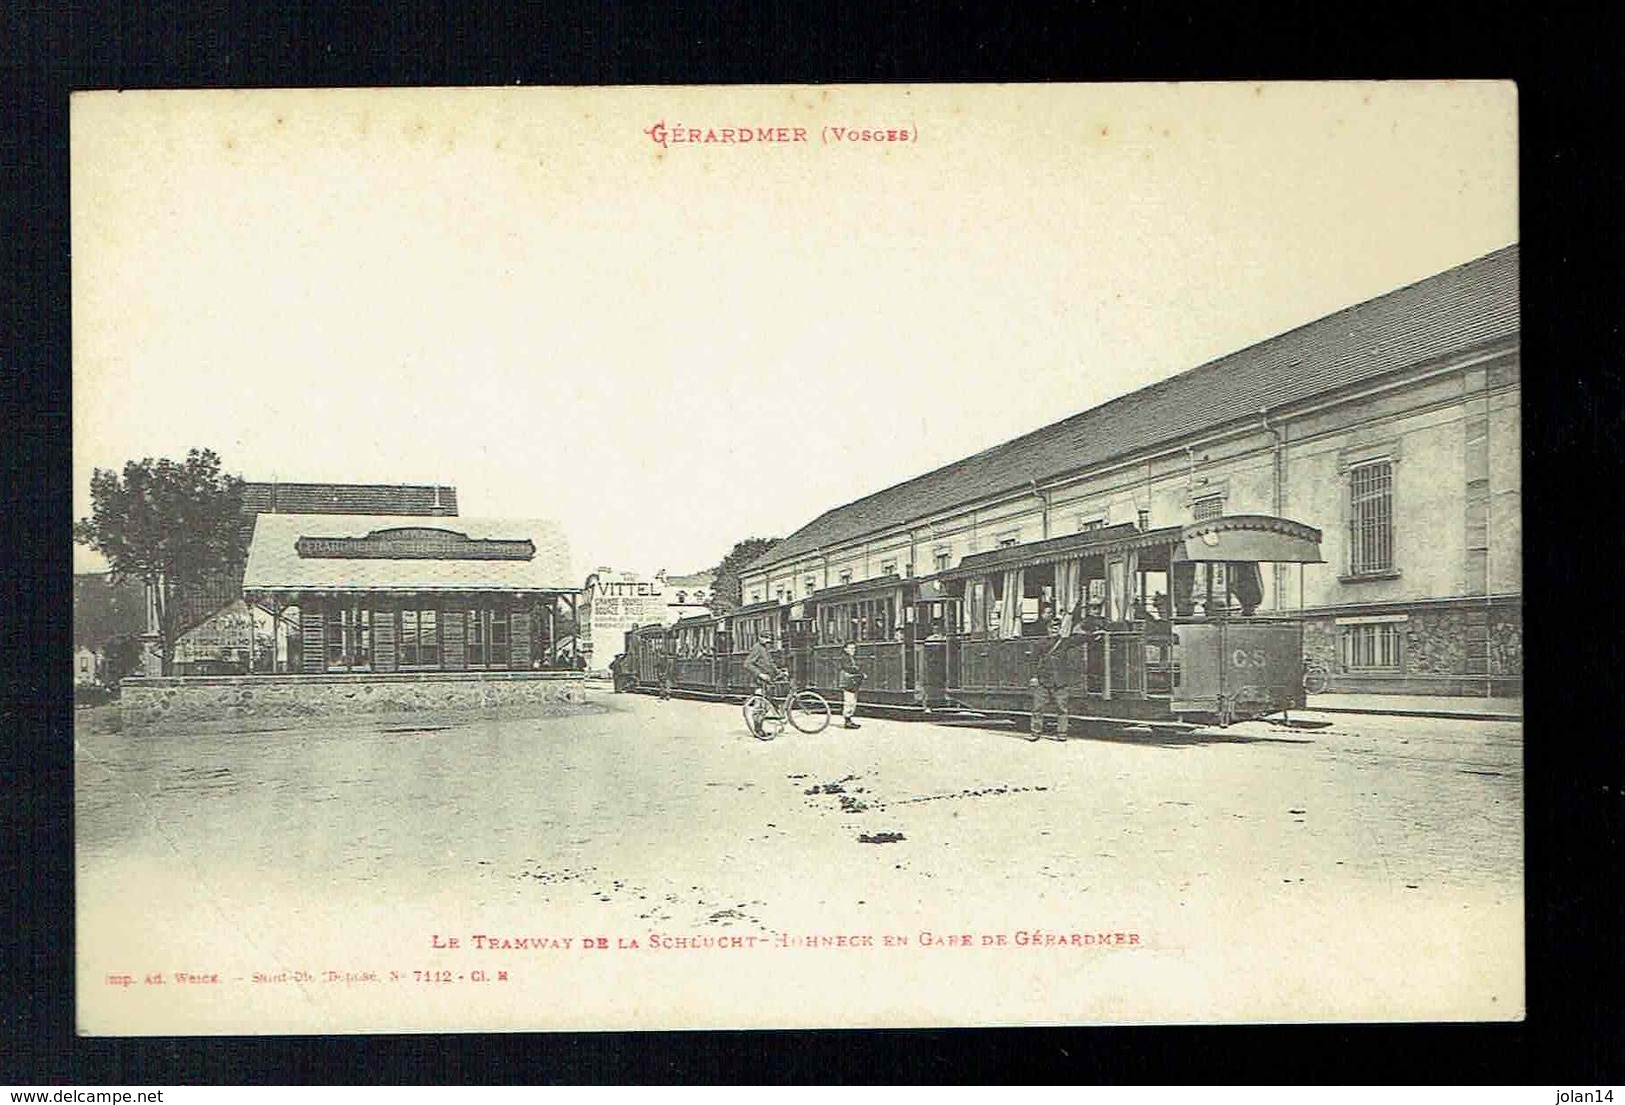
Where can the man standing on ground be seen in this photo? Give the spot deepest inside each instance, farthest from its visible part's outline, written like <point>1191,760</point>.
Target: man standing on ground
<point>663,674</point>
<point>1058,671</point>
<point>851,680</point>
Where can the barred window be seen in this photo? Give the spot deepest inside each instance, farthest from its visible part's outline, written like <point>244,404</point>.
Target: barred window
<point>1210,507</point>
<point>1371,518</point>
<point>1371,647</point>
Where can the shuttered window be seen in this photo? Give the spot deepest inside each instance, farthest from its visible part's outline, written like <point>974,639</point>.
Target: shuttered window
<point>1371,518</point>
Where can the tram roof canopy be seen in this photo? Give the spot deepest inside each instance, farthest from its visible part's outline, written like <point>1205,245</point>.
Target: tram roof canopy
<point>1256,537</point>
<point>757,608</point>
<point>401,553</point>
<point>843,591</point>
<point>1469,307</point>
<point>1073,546</point>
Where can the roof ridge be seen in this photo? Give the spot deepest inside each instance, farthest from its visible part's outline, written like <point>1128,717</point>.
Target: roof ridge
<point>1461,280</point>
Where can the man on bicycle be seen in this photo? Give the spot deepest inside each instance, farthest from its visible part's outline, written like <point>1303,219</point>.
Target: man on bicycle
<point>760,663</point>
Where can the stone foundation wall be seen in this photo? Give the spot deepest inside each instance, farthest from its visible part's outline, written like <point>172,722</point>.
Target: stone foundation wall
<point>1460,649</point>
<point>248,703</point>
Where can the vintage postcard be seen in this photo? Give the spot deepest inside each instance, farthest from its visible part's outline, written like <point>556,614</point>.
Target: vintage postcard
<point>668,558</point>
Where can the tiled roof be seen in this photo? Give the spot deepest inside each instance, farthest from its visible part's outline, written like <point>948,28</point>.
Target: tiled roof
<point>415,500</point>
<point>1464,308</point>
<point>349,498</point>
<point>274,563</point>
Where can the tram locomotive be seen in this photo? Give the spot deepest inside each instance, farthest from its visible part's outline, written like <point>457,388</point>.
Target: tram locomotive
<point>1166,621</point>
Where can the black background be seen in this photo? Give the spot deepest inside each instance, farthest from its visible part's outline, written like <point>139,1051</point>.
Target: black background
<point>1573,312</point>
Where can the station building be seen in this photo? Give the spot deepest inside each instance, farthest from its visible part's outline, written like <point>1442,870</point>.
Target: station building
<point>399,593</point>
<point>361,601</point>
<point>376,578</point>
<point>1393,426</point>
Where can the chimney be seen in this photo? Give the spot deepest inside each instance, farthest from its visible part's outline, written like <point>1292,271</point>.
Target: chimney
<point>1145,519</point>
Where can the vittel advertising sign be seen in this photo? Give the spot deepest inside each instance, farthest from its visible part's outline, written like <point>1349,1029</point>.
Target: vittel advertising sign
<point>619,604</point>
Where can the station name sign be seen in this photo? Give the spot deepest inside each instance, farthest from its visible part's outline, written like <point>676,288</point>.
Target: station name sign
<point>414,544</point>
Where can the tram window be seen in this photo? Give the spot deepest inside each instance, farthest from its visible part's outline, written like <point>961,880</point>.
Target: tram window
<point>1097,598</point>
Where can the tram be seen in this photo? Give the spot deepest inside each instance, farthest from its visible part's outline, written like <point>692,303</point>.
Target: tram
<point>1168,622</point>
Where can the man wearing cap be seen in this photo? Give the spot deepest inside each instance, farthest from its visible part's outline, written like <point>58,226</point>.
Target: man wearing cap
<point>1058,671</point>
<point>851,680</point>
<point>760,663</point>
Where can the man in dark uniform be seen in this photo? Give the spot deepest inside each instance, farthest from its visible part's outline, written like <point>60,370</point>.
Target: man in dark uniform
<point>1058,671</point>
<point>761,665</point>
<point>663,674</point>
<point>851,680</point>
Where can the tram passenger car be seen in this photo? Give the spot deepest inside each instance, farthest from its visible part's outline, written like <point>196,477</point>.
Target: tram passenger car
<point>1167,620</point>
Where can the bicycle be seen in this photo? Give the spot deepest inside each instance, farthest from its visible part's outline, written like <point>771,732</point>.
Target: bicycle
<point>807,710</point>
<point>1315,677</point>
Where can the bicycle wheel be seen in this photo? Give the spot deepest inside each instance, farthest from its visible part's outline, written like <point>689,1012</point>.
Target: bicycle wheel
<point>752,708</point>
<point>809,711</point>
<point>1314,681</point>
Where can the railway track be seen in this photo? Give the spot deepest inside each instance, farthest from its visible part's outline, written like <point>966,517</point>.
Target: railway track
<point>1082,725</point>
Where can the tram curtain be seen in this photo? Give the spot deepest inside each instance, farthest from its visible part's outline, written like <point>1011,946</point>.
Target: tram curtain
<point>1010,609</point>
<point>1068,587</point>
<point>1121,575</point>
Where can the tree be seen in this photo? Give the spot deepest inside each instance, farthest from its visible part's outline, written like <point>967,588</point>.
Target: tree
<point>725,593</point>
<point>121,656</point>
<point>173,526</point>
<point>102,610</point>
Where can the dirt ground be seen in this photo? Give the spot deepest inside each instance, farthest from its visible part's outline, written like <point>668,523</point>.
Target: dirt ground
<point>652,865</point>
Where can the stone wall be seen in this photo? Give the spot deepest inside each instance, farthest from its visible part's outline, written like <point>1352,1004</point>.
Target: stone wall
<point>1436,642</point>
<point>249,703</point>
<point>1461,648</point>
<point>1506,643</point>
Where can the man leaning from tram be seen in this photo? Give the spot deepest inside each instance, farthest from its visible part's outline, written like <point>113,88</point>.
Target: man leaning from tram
<point>1060,672</point>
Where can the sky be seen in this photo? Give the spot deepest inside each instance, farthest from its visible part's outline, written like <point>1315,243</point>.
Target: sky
<point>669,348</point>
